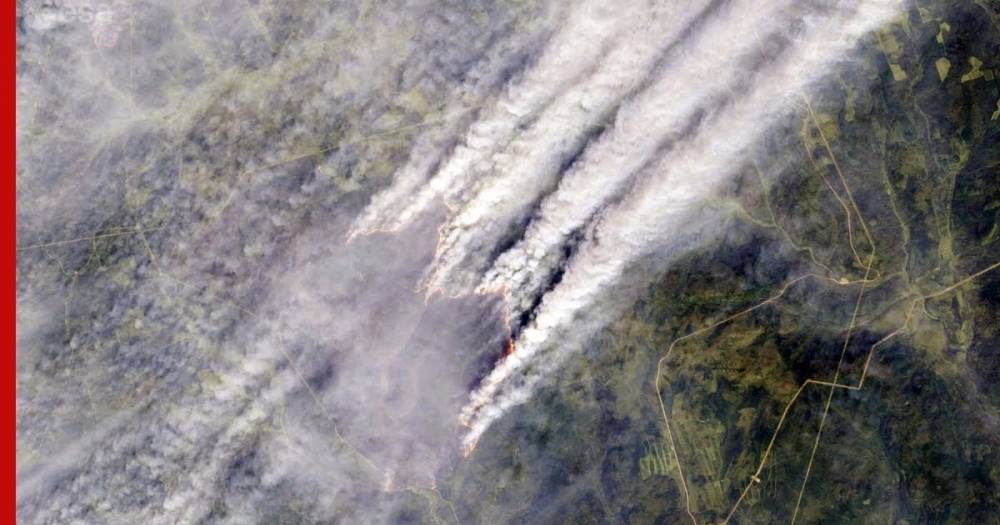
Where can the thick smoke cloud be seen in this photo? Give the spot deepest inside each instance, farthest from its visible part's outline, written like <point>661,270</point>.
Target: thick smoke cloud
<point>640,186</point>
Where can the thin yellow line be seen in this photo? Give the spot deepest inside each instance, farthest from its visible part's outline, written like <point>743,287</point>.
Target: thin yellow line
<point>840,200</point>
<point>784,232</point>
<point>791,402</point>
<point>659,370</point>
<point>829,397</point>
<point>988,269</point>
<point>90,238</point>
<point>840,174</point>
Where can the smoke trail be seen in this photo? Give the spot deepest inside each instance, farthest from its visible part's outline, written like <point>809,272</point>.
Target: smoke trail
<point>581,41</point>
<point>662,114</point>
<point>659,212</point>
<point>529,168</point>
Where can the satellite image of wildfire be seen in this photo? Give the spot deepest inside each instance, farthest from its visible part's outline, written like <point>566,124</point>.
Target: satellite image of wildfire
<point>494,262</point>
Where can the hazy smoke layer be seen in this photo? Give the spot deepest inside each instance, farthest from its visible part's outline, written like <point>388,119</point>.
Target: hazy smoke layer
<point>615,167</point>
<point>196,343</point>
<point>197,340</point>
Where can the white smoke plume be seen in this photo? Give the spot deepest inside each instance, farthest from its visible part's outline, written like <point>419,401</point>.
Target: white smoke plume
<point>531,165</point>
<point>572,53</point>
<point>662,112</point>
<point>723,76</point>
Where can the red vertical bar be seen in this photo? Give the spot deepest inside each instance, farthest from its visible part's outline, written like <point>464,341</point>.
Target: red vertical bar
<point>10,318</point>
